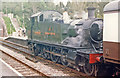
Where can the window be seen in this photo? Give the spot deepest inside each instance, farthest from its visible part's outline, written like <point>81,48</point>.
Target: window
<point>41,17</point>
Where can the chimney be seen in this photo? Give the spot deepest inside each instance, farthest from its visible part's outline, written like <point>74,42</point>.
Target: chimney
<point>91,12</point>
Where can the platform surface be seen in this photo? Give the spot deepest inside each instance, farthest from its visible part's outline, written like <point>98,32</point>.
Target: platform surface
<point>6,70</point>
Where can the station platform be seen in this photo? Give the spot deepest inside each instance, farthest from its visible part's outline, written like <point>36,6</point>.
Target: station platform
<point>7,70</point>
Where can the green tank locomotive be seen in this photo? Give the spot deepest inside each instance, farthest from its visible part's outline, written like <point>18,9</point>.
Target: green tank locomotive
<point>52,37</point>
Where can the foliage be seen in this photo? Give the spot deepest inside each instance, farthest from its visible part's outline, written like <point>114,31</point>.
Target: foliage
<point>9,25</point>
<point>26,9</point>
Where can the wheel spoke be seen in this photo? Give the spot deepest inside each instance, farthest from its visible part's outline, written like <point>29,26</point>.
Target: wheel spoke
<point>64,61</point>
<point>88,68</point>
<point>54,58</point>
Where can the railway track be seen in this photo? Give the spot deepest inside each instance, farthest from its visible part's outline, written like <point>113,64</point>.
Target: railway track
<point>24,50</point>
<point>20,66</point>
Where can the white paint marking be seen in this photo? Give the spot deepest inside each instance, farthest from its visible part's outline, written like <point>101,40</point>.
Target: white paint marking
<point>19,74</point>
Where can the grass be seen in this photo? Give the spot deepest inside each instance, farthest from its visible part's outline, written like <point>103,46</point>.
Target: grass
<point>10,28</point>
<point>20,20</point>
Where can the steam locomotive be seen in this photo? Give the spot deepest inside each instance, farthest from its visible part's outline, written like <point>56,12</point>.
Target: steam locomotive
<point>85,46</point>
